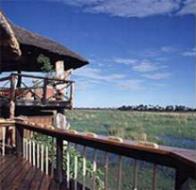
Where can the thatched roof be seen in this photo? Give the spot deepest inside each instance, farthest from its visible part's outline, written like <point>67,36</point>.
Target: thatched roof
<point>20,49</point>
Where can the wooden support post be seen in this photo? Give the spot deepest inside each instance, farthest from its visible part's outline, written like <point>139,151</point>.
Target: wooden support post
<point>19,80</point>
<point>11,132</point>
<point>19,140</point>
<point>12,96</point>
<point>59,160</point>
<point>181,181</point>
<point>72,87</point>
<point>44,98</point>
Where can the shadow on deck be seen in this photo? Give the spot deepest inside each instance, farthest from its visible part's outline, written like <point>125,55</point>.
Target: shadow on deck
<point>17,173</point>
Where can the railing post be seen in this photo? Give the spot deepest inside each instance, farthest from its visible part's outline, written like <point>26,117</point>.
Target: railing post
<point>3,141</point>
<point>19,140</point>
<point>181,180</point>
<point>59,160</point>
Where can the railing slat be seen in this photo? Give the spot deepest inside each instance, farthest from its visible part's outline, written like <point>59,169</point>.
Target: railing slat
<point>24,148</point>
<point>75,169</point>
<point>84,169</point>
<point>106,171</point>
<point>46,160</point>
<point>38,155</point>
<point>154,177</point>
<point>94,168</point>
<point>135,175</point>
<point>42,158</point>
<point>3,141</point>
<point>33,147</point>
<point>68,167</point>
<point>119,172</point>
<point>27,150</point>
<point>30,151</point>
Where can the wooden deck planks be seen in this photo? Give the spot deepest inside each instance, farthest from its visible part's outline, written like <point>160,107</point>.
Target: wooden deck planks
<point>13,173</point>
<point>18,174</point>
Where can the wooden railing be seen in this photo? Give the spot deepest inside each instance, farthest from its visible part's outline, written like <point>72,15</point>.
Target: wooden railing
<point>36,90</point>
<point>4,142</point>
<point>181,161</point>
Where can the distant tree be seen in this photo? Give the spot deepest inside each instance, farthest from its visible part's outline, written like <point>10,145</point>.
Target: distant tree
<point>169,108</point>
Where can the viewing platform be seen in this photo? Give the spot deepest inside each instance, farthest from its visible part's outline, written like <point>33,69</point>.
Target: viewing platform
<point>36,92</point>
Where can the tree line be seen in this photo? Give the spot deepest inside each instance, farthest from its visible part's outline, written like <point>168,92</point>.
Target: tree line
<point>169,108</point>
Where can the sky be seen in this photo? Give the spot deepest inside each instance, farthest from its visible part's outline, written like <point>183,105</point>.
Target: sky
<point>140,51</point>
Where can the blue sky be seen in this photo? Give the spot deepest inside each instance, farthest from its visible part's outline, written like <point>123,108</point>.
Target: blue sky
<point>140,51</point>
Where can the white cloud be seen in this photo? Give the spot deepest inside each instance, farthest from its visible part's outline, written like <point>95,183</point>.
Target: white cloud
<point>92,76</point>
<point>141,66</point>
<point>158,76</point>
<point>168,49</point>
<point>125,61</point>
<point>135,8</point>
<point>81,2</point>
<point>160,52</point>
<point>132,85</point>
<point>97,74</point>
<point>189,8</point>
<point>190,53</point>
<point>145,66</point>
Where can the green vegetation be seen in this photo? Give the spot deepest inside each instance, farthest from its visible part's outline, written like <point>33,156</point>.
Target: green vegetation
<point>74,153</point>
<point>175,129</point>
<point>163,128</point>
<point>45,62</point>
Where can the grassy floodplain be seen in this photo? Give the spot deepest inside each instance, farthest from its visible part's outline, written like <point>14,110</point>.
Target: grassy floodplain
<point>168,128</point>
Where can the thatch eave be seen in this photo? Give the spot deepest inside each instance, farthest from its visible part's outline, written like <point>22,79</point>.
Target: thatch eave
<point>26,45</point>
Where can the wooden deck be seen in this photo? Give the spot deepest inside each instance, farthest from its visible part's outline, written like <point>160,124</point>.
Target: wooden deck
<point>17,174</point>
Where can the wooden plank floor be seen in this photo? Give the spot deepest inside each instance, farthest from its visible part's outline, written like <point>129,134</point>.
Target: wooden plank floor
<point>18,174</point>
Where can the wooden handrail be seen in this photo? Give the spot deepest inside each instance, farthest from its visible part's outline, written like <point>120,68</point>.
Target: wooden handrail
<point>164,155</point>
<point>185,156</point>
<point>40,77</point>
<point>5,78</point>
